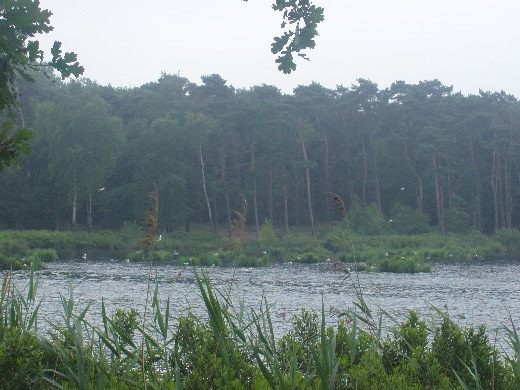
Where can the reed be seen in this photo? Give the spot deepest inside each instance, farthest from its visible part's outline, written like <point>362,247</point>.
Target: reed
<point>237,348</point>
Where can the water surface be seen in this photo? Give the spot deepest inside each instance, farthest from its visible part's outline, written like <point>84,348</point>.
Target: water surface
<point>471,294</point>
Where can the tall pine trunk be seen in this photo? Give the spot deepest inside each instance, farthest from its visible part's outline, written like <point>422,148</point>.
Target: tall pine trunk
<point>439,198</point>
<point>477,210</point>
<point>285,203</point>
<point>255,200</point>
<point>376,174</point>
<point>270,202</point>
<point>89,209</point>
<point>365,176</point>
<point>350,190</point>
<point>308,183</point>
<point>222,159</point>
<point>326,178</point>
<point>74,205</point>
<point>205,191</point>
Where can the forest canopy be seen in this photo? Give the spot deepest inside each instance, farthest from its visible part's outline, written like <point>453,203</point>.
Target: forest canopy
<point>409,158</point>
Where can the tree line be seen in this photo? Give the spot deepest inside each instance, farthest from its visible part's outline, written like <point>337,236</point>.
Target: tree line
<point>442,159</point>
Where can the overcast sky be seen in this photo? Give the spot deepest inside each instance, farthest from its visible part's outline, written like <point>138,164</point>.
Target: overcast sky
<point>469,44</point>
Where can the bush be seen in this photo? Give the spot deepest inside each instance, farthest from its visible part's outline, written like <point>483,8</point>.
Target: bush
<point>267,235</point>
<point>13,263</point>
<point>158,256</point>
<point>400,264</point>
<point>407,220</point>
<point>509,239</point>
<point>306,258</point>
<point>368,220</point>
<point>46,255</point>
<point>21,361</point>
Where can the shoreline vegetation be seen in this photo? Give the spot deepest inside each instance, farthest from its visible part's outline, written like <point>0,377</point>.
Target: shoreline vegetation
<point>234,348</point>
<point>378,253</point>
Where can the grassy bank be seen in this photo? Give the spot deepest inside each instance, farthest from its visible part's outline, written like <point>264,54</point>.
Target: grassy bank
<point>388,252</point>
<point>235,348</point>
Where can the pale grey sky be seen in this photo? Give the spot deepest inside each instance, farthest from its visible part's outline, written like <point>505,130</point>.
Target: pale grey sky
<point>469,44</point>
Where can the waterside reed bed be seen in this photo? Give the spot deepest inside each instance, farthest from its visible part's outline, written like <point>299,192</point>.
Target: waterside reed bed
<point>333,242</point>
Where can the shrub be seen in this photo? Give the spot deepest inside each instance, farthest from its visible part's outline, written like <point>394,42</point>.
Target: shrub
<point>509,239</point>
<point>368,220</point>
<point>46,255</point>
<point>407,220</point>
<point>14,263</point>
<point>306,258</point>
<point>400,264</point>
<point>267,235</point>
<point>21,361</point>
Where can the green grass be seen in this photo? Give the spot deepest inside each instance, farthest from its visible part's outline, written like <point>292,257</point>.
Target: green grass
<point>335,243</point>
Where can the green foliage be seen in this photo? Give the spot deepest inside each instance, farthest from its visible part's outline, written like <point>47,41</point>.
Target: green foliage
<point>21,361</point>
<point>14,263</point>
<point>306,18</point>
<point>159,256</point>
<point>407,220</point>
<point>46,255</point>
<point>401,264</point>
<point>268,237</point>
<point>22,21</point>
<point>305,258</point>
<point>368,220</point>
<point>14,141</point>
<point>509,239</point>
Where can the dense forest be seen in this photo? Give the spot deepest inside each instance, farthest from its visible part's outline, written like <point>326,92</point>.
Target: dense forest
<point>419,152</point>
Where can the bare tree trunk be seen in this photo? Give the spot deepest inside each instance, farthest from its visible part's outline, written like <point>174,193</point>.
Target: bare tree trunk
<point>365,176</point>
<point>326,178</point>
<point>203,180</point>
<point>350,191</point>
<point>501,194</point>
<point>255,200</point>
<point>495,173</point>
<point>439,198</point>
<point>285,204</point>
<point>89,210</point>
<point>477,213</point>
<point>74,207</point>
<point>376,174</point>
<point>417,179</point>
<point>308,181</point>
<point>270,207</point>
<point>222,159</point>
<point>508,193</point>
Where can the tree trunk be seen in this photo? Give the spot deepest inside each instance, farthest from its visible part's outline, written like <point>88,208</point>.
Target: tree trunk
<point>501,194</point>
<point>222,159</point>
<point>308,182</point>
<point>508,193</point>
<point>255,200</point>
<point>206,197</point>
<point>270,207</point>
<point>477,212</point>
<point>350,191</point>
<point>417,179</point>
<point>495,173</point>
<point>89,210</point>
<point>365,176</point>
<point>74,208</point>
<point>376,174</point>
<point>285,204</point>
<point>326,178</point>
<point>439,198</point>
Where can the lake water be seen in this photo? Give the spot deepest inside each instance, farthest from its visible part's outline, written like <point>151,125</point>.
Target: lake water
<point>472,294</point>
